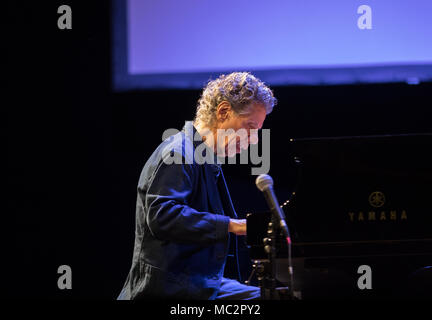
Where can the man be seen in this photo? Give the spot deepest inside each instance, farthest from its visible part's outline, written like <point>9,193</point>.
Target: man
<point>184,214</point>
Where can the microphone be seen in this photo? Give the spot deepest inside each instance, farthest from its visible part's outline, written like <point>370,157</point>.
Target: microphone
<point>265,184</point>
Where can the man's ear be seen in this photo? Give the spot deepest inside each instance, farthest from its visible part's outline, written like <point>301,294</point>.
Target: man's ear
<point>223,111</point>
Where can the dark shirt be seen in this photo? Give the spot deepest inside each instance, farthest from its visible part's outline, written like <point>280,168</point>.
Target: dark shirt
<point>182,216</point>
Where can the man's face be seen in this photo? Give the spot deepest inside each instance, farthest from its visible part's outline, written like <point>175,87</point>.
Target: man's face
<point>244,130</point>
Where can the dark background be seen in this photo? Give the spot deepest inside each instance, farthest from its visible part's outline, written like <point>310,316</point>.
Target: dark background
<point>75,148</point>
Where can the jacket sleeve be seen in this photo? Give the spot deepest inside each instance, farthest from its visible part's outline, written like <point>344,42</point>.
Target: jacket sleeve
<point>169,216</point>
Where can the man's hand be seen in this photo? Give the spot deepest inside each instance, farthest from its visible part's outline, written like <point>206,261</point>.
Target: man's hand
<point>237,226</point>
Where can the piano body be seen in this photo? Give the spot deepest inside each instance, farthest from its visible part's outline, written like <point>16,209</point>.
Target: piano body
<point>358,201</point>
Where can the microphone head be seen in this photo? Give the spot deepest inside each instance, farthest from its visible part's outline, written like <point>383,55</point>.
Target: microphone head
<point>263,181</point>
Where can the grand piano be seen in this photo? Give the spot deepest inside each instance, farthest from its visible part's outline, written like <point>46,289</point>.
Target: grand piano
<point>357,201</point>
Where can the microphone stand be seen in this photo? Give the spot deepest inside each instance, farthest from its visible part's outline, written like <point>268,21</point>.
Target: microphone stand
<point>270,249</point>
<point>266,269</point>
<point>278,219</point>
<point>265,184</point>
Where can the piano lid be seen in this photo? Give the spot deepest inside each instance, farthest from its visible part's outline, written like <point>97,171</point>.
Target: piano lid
<point>365,188</point>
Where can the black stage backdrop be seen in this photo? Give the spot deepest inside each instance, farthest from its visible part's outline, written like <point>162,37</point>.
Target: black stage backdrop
<point>76,149</point>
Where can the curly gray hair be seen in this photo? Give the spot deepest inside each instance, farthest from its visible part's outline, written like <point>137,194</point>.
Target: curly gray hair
<point>240,89</point>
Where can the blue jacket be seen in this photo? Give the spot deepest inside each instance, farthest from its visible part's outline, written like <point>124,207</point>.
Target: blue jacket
<point>182,215</point>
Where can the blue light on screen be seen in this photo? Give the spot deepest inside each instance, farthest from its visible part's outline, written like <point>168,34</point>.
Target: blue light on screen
<point>181,44</point>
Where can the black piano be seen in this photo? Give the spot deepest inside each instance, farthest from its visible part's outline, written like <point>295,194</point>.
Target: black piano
<point>357,201</point>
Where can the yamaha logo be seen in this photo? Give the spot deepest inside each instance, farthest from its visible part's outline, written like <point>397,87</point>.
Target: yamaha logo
<point>377,199</point>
